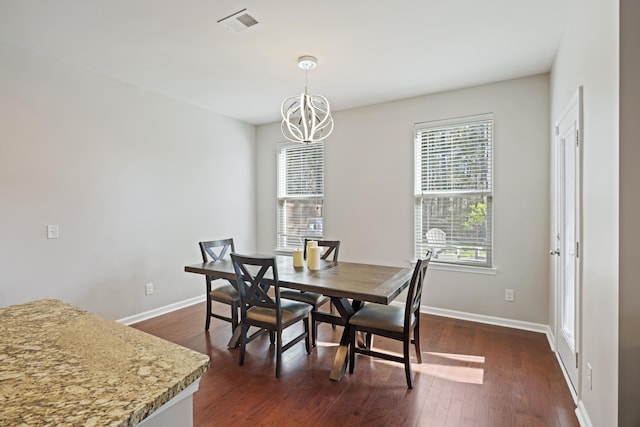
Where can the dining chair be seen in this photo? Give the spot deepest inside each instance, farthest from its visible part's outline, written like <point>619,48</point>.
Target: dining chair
<point>397,323</point>
<point>222,292</point>
<point>262,306</point>
<point>331,247</point>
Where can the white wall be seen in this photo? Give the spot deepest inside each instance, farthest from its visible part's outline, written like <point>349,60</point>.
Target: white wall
<point>588,56</point>
<point>369,192</point>
<point>133,179</point>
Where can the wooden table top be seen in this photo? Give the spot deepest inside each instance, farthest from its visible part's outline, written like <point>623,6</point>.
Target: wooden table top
<point>361,282</point>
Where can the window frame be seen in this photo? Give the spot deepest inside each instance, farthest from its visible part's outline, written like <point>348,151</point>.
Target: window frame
<point>284,240</point>
<point>477,254</point>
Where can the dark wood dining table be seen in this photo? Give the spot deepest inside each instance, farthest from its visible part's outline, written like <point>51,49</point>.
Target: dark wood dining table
<point>341,281</point>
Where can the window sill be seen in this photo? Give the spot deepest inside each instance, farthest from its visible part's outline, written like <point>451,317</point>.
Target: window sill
<point>434,265</point>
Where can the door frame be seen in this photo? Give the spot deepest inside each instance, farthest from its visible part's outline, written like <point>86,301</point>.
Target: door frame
<point>556,182</point>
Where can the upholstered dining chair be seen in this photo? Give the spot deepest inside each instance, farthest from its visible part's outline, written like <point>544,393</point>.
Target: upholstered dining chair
<point>398,323</point>
<point>261,305</point>
<point>225,291</point>
<point>331,247</point>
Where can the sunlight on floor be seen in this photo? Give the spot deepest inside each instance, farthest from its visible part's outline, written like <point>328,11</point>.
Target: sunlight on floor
<point>326,344</point>
<point>461,368</point>
<point>460,357</point>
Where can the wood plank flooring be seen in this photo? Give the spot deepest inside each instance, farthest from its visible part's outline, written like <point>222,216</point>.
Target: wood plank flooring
<point>471,375</point>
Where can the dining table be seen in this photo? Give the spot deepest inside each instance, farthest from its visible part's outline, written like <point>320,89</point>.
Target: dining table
<point>348,284</point>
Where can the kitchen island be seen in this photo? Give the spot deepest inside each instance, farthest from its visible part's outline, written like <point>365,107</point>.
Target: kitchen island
<point>63,366</point>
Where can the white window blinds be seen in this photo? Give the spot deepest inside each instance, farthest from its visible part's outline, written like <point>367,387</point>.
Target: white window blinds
<point>453,190</point>
<point>300,193</point>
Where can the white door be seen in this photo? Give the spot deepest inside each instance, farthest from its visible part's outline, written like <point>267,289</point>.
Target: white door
<point>566,248</point>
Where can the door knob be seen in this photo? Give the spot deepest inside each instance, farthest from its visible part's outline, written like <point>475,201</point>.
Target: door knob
<point>554,252</point>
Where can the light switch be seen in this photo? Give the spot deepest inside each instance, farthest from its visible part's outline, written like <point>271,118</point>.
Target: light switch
<point>52,231</point>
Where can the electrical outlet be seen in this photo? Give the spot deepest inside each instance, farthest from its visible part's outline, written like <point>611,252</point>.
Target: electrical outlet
<point>590,376</point>
<point>509,295</point>
<point>52,231</point>
<point>148,289</point>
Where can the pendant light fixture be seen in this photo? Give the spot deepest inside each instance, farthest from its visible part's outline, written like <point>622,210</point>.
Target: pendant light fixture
<point>306,118</point>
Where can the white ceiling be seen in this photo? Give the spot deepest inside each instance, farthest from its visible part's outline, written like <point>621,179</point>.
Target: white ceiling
<point>368,51</point>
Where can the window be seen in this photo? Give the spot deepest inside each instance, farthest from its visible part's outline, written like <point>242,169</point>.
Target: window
<point>300,193</point>
<point>453,190</point>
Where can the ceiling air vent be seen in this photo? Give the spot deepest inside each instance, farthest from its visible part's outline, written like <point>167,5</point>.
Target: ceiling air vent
<point>239,21</point>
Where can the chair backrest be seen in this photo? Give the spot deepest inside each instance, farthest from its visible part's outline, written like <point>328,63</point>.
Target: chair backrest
<point>332,246</point>
<point>255,276</point>
<point>414,296</point>
<point>216,249</point>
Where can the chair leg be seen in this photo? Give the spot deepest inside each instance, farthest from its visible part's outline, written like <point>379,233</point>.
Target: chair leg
<point>416,341</point>
<point>331,310</point>
<point>314,327</point>
<point>234,316</point>
<point>208,321</point>
<point>272,337</point>
<point>368,339</point>
<point>278,353</point>
<point>407,362</point>
<point>309,330</point>
<point>243,342</point>
<point>352,349</point>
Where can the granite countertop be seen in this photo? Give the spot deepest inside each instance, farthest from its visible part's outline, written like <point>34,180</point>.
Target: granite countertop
<point>63,366</point>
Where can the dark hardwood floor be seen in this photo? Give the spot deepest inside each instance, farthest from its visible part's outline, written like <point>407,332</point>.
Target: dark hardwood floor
<point>471,375</point>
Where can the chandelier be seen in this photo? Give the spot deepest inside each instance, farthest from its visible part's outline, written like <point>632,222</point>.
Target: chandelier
<point>306,118</point>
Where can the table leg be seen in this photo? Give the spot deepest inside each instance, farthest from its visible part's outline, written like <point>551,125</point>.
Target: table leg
<point>362,340</point>
<point>235,338</point>
<point>342,355</point>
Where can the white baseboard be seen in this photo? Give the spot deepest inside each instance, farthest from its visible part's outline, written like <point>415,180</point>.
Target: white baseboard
<point>161,310</point>
<point>480,318</point>
<point>583,417</point>
<point>552,339</point>
<point>490,320</point>
<point>567,379</point>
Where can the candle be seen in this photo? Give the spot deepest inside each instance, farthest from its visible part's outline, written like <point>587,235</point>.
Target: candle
<point>311,244</point>
<point>297,258</point>
<point>313,258</point>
